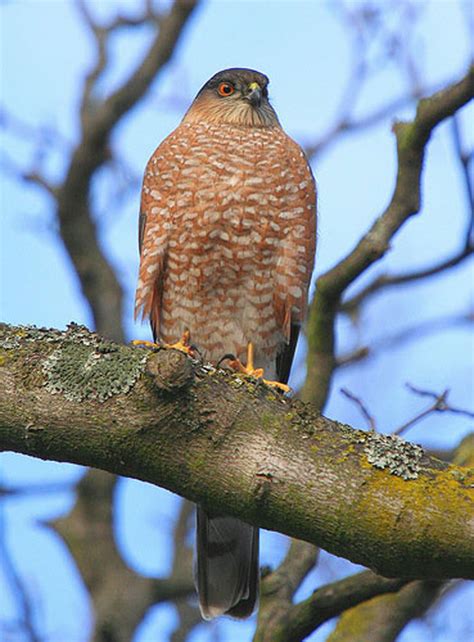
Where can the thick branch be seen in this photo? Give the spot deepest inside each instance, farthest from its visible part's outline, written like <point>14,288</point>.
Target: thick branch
<point>412,138</point>
<point>329,601</point>
<point>382,618</point>
<point>235,446</point>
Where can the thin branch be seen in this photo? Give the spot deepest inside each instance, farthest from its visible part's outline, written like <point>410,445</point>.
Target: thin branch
<point>440,404</point>
<point>19,588</point>
<point>360,404</point>
<point>38,489</point>
<point>431,326</point>
<point>464,160</point>
<point>279,587</point>
<point>386,280</point>
<point>352,125</point>
<point>328,602</point>
<point>364,29</point>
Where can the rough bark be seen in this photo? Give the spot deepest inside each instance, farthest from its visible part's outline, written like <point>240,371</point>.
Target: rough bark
<point>236,446</point>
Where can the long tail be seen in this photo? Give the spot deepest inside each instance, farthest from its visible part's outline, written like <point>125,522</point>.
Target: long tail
<point>227,570</point>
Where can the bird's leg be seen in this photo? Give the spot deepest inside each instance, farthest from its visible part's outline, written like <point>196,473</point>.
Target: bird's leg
<point>249,369</point>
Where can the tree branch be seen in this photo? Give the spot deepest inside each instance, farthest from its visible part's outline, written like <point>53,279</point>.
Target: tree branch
<point>382,618</point>
<point>278,589</point>
<point>329,601</point>
<point>236,446</point>
<point>412,138</point>
<point>389,280</point>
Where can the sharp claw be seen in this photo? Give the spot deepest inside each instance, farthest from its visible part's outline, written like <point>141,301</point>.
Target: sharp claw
<point>227,357</point>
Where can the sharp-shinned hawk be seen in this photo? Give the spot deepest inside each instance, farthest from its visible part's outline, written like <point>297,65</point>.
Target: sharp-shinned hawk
<point>227,239</point>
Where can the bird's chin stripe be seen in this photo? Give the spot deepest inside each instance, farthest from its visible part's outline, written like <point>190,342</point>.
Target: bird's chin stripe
<point>238,112</point>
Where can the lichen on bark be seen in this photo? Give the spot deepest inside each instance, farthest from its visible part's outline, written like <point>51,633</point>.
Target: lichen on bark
<point>394,453</point>
<point>82,365</point>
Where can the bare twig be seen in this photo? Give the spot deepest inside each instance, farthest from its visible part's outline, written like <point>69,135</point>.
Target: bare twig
<point>440,404</point>
<point>19,589</point>
<point>401,337</point>
<point>365,26</point>
<point>386,280</point>
<point>38,489</point>
<point>360,404</point>
<point>464,159</point>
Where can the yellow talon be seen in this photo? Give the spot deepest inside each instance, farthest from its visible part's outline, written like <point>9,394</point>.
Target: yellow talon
<point>249,370</point>
<point>183,345</point>
<point>145,344</point>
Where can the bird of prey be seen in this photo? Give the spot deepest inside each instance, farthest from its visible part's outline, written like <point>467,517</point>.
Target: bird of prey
<point>227,238</point>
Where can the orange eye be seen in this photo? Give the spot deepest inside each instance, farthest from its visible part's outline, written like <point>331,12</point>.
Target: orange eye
<point>225,89</point>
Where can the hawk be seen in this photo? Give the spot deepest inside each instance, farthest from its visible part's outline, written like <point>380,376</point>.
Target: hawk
<point>227,237</point>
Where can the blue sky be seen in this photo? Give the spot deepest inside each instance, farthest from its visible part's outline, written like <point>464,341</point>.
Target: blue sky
<point>306,52</point>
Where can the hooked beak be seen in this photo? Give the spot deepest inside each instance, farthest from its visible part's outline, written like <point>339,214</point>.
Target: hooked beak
<point>254,95</point>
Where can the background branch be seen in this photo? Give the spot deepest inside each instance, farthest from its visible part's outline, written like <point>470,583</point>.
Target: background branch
<point>411,141</point>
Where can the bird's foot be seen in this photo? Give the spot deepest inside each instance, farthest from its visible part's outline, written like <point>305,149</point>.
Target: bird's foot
<point>257,373</point>
<point>184,345</point>
<point>145,344</point>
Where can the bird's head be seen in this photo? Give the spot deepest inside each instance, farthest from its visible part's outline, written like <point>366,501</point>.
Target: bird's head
<point>234,96</point>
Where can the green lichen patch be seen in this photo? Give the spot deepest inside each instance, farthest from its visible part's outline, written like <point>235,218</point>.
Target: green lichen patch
<point>12,338</point>
<point>84,366</point>
<point>391,452</point>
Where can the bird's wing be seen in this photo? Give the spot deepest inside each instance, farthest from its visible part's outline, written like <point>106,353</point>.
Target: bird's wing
<point>295,260</point>
<point>155,222</point>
